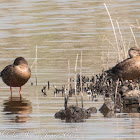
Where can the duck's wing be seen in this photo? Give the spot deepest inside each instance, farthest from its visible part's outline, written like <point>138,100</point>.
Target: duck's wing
<point>124,65</point>
<point>122,69</point>
<point>6,70</point>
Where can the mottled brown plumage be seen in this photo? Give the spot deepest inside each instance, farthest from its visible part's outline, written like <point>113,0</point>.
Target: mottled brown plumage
<point>129,69</point>
<point>17,74</point>
<point>134,51</point>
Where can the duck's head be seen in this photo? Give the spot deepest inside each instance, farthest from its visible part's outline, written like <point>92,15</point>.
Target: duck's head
<point>134,51</point>
<point>20,61</point>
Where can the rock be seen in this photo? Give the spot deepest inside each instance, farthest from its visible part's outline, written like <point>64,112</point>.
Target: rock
<point>61,114</point>
<point>107,109</point>
<point>131,97</point>
<point>107,106</point>
<point>92,110</point>
<point>131,93</point>
<point>75,113</point>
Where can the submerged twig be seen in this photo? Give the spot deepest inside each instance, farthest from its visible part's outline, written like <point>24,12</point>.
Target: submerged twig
<point>48,85</point>
<point>66,94</point>
<point>65,99</point>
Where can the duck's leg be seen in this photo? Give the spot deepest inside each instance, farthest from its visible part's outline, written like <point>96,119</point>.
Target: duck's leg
<point>11,91</point>
<point>20,92</point>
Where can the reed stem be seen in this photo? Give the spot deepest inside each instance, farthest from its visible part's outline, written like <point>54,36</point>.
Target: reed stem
<point>116,91</point>
<point>122,41</point>
<point>76,80</point>
<point>134,36</point>
<point>66,94</point>
<point>81,81</point>
<point>113,30</point>
<point>36,66</point>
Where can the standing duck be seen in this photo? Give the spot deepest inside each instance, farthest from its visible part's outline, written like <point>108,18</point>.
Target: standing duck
<point>17,74</point>
<point>129,69</point>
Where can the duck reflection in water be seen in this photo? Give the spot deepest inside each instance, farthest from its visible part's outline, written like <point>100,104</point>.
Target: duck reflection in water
<point>17,110</point>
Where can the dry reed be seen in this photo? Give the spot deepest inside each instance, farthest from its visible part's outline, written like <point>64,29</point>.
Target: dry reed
<point>81,81</point>
<point>134,36</point>
<point>75,80</point>
<point>114,31</point>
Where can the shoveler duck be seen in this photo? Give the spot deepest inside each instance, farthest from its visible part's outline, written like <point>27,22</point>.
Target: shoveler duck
<point>16,74</point>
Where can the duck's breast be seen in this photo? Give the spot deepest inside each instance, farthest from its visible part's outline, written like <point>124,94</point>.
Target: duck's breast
<point>131,69</point>
<point>22,72</point>
<point>20,75</point>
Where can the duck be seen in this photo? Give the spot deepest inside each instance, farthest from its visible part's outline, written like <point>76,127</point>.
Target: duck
<point>16,74</point>
<point>128,69</point>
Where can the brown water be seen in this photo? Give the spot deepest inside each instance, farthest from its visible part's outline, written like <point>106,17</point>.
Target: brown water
<point>61,29</point>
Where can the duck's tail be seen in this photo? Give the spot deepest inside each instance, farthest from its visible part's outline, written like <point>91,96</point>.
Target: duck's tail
<point>109,74</point>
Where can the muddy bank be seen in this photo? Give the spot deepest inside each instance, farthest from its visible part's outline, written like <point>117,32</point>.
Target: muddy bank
<point>116,94</point>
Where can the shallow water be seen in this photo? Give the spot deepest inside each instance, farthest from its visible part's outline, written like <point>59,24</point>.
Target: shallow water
<point>61,29</point>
